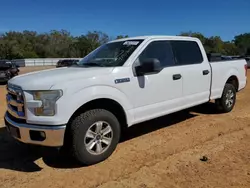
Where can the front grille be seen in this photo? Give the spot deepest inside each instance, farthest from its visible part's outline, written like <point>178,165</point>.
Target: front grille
<point>15,101</point>
<point>17,120</point>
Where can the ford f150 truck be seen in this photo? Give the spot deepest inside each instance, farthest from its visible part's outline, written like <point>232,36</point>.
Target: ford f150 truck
<point>119,84</point>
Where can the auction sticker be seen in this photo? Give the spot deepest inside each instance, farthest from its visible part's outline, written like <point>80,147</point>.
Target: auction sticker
<point>134,43</point>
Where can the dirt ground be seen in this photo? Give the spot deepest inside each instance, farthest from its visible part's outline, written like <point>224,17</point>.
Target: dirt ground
<point>165,152</point>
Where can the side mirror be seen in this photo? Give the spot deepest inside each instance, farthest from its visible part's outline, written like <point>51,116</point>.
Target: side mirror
<point>150,65</point>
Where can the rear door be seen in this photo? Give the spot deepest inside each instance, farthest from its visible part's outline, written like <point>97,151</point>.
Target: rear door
<point>195,69</point>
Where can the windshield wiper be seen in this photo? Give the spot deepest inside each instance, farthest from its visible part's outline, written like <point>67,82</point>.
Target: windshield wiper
<point>91,64</point>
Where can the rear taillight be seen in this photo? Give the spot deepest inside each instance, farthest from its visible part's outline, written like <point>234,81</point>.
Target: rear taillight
<point>245,69</point>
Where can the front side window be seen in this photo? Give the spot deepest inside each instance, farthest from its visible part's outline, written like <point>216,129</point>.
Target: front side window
<point>187,52</point>
<point>111,54</point>
<point>160,50</point>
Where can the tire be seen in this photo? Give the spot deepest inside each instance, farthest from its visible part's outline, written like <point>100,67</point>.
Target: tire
<point>82,125</point>
<point>226,103</point>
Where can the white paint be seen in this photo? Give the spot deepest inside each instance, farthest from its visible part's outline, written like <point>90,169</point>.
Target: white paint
<point>142,98</point>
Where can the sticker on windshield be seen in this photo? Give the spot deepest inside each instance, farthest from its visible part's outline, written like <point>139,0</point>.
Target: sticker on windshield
<point>134,43</point>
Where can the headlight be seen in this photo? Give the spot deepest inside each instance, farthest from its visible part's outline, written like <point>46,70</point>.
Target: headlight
<point>48,99</point>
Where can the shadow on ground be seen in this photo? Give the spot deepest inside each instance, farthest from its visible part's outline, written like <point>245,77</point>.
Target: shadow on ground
<point>155,124</point>
<point>207,108</point>
<point>16,156</point>
<point>20,157</point>
<point>165,121</point>
<point>130,133</point>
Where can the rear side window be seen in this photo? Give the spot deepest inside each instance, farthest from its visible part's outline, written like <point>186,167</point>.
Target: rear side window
<point>187,52</point>
<point>160,50</point>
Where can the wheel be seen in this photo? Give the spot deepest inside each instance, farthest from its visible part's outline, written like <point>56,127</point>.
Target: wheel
<point>95,135</point>
<point>227,101</point>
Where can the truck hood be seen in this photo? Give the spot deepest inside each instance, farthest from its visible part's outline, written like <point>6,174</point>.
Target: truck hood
<point>44,80</point>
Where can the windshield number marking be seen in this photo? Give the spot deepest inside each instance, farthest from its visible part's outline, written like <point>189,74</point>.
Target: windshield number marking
<point>133,43</point>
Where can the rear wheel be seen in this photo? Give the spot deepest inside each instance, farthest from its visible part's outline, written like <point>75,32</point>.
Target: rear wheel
<point>227,101</point>
<point>95,135</point>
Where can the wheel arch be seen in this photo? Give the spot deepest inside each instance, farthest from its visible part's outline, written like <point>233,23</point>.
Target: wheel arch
<point>233,79</point>
<point>103,103</point>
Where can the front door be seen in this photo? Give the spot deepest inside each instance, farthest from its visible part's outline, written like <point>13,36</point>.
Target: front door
<point>158,93</point>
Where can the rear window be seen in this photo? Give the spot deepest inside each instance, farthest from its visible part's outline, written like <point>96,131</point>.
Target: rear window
<point>187,52</point>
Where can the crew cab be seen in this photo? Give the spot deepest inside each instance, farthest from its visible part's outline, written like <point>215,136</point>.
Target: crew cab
<point>121,83</point>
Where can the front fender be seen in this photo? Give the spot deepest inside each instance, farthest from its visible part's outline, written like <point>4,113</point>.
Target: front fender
<point>75,100</point>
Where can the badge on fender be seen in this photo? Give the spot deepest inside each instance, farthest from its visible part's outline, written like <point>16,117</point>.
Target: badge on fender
<point>122,80</point>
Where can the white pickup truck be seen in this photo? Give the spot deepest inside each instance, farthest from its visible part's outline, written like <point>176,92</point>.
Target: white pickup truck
<point>121,83</point>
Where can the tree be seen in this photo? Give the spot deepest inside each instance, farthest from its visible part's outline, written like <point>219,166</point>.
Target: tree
<point>243,43</point>
<point>60,43</point>
<point>84,44</point>
<point>230,48</point>
<point>195,34</point>
<point>214,45</point>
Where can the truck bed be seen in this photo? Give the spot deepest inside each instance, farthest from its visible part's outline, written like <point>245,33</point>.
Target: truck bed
<point>222,71</point>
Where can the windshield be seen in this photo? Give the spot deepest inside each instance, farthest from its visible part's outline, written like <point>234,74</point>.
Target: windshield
<point>111,54</point>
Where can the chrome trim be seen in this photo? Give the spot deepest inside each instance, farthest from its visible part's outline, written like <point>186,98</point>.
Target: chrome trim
<point>15,114</point>
<point>13,89</point>
<point>15,103</point>
<point>20,113</point>
<point>54,134</point>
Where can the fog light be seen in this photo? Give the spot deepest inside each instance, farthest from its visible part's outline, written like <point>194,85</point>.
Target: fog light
<point>37,135</point>
<point>42,134</point>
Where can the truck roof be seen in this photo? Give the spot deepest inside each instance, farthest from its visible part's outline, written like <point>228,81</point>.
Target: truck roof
<point>155,37</point>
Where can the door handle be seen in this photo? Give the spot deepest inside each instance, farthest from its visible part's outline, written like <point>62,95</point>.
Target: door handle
<point>205,72</point>
<point>176,76</point>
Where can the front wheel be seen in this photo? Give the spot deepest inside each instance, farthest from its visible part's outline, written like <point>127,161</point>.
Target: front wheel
<point>227,101</point>
<point>95,135</point>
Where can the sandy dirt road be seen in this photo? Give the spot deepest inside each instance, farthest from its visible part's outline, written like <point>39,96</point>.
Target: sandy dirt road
<point>164,152</point>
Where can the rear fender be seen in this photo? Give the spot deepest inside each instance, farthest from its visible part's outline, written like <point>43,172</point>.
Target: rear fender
<point>232,72</point>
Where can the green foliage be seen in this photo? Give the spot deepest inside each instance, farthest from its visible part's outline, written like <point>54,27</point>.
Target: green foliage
<point>239,46</point>
<point>243,43</point>
<point>214,45</point>
<point>230,48</point>
<point>30,44</point>
<point>195,34</point>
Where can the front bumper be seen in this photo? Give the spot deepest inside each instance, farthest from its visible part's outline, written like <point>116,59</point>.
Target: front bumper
<point>52,136</point>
